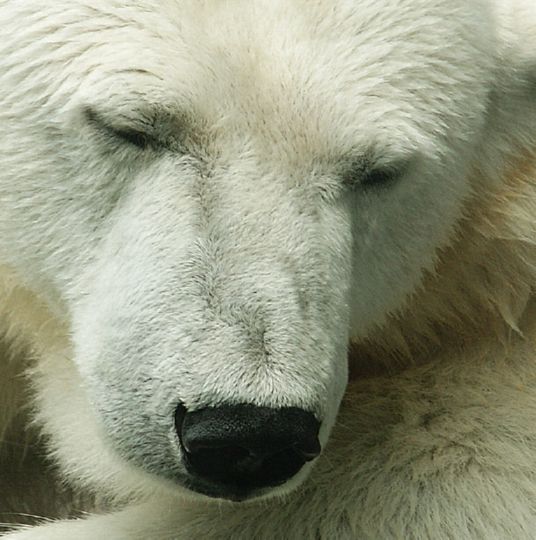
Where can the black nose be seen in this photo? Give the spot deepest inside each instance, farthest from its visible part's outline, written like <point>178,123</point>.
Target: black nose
<point>243,447</point>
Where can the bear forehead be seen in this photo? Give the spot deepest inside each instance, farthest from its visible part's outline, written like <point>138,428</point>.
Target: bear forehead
<point>278,69</point>
<point>248,42</point>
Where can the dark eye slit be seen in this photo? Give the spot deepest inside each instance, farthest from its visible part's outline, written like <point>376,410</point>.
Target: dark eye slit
<point>380,176</point>
<point>361,174</point>
<point>137,138</point>
<point>130,135</point>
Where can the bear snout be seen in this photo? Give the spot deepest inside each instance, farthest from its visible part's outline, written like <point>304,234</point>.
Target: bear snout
<point>231,451</point>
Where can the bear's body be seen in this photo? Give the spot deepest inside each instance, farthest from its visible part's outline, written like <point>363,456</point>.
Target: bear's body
<point>191,211</point>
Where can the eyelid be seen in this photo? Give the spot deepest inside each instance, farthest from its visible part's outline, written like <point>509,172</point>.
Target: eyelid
<point>135,131</point>
<point>370,174</point>
<point>381,176</point>
<point>133,136</point>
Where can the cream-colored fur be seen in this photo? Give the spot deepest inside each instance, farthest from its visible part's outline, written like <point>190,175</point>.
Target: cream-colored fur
<point>435,437</point>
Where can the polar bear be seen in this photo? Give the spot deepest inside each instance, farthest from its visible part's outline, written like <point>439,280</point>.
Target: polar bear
<point>267,269</point>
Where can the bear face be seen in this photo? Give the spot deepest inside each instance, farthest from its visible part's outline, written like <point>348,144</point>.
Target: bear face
<point>224,197</point>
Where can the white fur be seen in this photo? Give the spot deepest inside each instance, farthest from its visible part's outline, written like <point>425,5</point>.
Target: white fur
<point>229,261</point>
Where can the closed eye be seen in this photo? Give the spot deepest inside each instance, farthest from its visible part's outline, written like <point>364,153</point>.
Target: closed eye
<point>141,131</point>
<point>381,177</point>
<point>137,138</point>
<point>366,176</point>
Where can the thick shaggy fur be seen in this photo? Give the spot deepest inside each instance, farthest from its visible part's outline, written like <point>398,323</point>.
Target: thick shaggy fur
<point>435,435</point>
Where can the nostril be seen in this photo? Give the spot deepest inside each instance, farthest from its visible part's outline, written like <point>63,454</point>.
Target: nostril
<point>245,445</point>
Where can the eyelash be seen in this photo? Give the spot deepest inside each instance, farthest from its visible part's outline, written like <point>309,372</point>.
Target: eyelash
<point>131,136</point>
<point>380,177</point>
<point>136,138</point>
